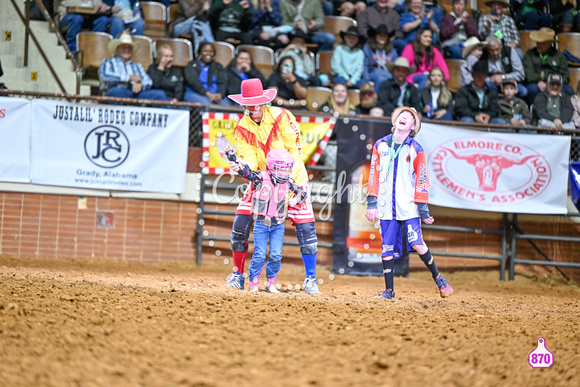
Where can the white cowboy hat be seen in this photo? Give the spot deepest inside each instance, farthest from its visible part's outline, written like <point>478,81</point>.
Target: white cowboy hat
<point>469,45</point>
<point>253,93</point>
<point>124,38</point>
<point>401,109</point>
<point>401,62</point>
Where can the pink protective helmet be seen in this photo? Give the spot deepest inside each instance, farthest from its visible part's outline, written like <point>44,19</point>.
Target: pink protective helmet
<point>279,165</point>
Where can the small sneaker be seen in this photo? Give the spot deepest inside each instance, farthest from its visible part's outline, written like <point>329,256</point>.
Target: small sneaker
<point>310,286</point>
<point>236,281</point>
<point>387,294</point>
<point>444,288</point>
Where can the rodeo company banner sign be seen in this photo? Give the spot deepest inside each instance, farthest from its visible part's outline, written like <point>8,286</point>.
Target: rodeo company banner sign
<point>500,172</point>
<point>109,147</point>
<point>15,135</point>
<point>314,131</point>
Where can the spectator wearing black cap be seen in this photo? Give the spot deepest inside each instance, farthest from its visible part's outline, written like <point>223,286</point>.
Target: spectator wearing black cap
<point>348,59</point>
<point>512,109</point>
<point>477,102</point>
<point>552,108</point>
<point>378,52</point>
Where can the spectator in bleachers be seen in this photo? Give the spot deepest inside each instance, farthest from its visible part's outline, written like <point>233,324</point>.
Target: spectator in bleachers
<point>531,14</point>
<point>552,108</point>
<point>456,27</point>
<point>338,102</point>
<point>575,103</point>
<point>73,22</point>
<point>164,76</point>
<point>267,28</point>
<point>417,18</point>
<point>292,89</point>
<point>562,14</point>
<point>205,79</point>
<point>304,62</point>
<point>128,17</point>
<point>500,25</point>
<point>241,68</point>
<point>424,56</point>
<point>504,62</point>
<point>512,109</point>
<point>542,61</point>
<point>230,19</point>
<point>472,52</point>
<point>192,19</point>
<point>308,16</point>
<point>348,59</point>
<point>378,52</point>
<point>477,102</point>
<point>2,85</point>
<point>397,91</point>
<point>368,101</point>
<point>352,8</point>
<point>436,98</point>
<point>123,78</point>
<point>378,14</point>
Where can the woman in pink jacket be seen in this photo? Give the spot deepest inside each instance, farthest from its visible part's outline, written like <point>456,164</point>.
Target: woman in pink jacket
<point>424,56</point>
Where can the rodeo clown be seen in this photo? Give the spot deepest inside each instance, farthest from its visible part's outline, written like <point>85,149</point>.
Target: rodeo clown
<point>261,130</point>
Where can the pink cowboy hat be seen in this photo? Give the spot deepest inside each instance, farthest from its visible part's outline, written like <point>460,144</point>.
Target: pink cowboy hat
<point>253,93</point>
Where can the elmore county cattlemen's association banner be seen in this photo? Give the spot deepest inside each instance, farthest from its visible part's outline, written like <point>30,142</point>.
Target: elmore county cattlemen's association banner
<point>500,172</point>
<point>15,139</point>
<point>314,131</point>
<point>114,147</point>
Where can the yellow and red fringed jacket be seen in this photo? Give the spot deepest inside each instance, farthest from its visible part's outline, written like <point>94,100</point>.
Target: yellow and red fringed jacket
<point>277,130</point>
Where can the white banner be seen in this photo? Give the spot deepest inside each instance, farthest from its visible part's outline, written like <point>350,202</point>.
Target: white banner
<point>114,147</point>
<point>15,139</point>
<point>500,172</point>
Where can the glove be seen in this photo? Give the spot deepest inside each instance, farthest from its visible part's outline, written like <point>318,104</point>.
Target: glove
<point>372,214</point>
<point>234,166</point>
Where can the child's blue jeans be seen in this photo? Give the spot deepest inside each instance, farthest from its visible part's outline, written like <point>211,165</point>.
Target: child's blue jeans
<point>261,235</point>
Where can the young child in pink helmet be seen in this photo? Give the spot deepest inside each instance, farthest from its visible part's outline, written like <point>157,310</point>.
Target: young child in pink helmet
<point>271,190</point>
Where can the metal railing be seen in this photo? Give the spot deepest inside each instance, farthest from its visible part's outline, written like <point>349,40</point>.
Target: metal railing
<point>510,232</point>
<point>29,34</point>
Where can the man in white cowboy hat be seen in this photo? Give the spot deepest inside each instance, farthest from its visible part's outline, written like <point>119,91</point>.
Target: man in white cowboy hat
<point>397,195</point>
<point>123,78</point>
<point>262,129</point>
<point>471,53</point>
<point>544,60</point>
<point>496,23</point>
<point>397,91</point>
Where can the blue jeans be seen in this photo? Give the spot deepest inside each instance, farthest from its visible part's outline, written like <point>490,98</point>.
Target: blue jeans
<point>74,22</point>
<point>454,51</point>
<point>187,27</point>
<point>193,97</point>
<point>420,80</point>
<point>325,41</point>
<point>261,235</point>
<point>118,25</point>
<point>123,92</point>
<point>496,120</point>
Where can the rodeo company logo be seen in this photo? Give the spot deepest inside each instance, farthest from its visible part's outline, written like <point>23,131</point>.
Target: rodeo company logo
<point>473,170</point>
<point>107,146</point>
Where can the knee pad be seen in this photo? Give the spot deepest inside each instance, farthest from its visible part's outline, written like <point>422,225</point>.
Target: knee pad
<point>241,232</point>
<point>307,238</point>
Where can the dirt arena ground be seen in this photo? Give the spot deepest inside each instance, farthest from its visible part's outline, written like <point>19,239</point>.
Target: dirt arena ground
<point>71,323</point>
